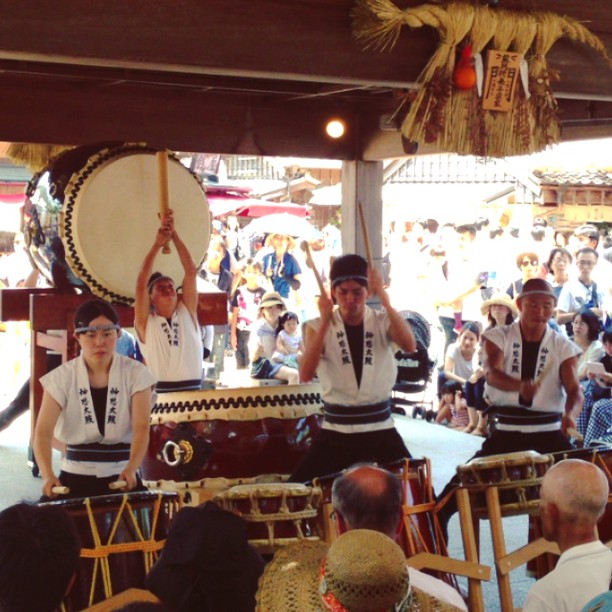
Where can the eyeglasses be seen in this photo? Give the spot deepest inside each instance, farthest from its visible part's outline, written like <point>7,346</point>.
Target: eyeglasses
<point>527,262</point>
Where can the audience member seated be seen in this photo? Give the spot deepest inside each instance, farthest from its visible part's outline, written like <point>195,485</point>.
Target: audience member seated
<point>207,564</point>
<point>39,551</point>
<point>368,497</point>
<point>362,570</point>
<point>573,496</point>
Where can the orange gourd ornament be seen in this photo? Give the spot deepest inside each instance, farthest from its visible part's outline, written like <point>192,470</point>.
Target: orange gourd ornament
<point>464,75</point>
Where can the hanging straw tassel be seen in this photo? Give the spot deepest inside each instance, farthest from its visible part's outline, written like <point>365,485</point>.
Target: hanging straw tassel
<point>34,156</point>
<point>426,121</point>
<point>465,109</point>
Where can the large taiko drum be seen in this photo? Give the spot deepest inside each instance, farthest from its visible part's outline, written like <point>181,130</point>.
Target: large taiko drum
<point>91,216</point>
<point>219,438</point>
<point>517,476</point>
<point>121,538</point>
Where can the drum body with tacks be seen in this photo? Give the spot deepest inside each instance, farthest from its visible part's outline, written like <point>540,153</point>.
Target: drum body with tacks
<point>517,476</point>
<point>276,514</point>
<point>214,439</point>
<point>91,216</point>
<point>121,537</point>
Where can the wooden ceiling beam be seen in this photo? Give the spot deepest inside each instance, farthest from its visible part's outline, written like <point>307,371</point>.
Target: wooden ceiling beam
<point>305,40</point>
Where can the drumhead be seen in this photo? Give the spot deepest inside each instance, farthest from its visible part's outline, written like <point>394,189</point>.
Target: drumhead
<point>110,219</point>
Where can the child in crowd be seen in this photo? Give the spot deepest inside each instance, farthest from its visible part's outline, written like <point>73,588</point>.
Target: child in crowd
<point>245,310</point>
<point>453,407</point>
<point>288,340</point>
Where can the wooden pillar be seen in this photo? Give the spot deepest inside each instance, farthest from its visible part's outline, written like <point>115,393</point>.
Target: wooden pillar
<point>362,182</point>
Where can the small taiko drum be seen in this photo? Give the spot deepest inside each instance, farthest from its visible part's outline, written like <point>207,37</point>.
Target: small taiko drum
<point>91,216</point>
<point>418,504</point>
<point>121,537</point>
<point>276,514</point>
<point>218,438</point>
<point>517,476</point>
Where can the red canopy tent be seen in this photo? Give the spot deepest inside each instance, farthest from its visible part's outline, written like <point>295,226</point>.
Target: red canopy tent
<point>226,200</point>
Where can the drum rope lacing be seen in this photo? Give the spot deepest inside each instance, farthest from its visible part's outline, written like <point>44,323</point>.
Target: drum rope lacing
<point>101,552</point>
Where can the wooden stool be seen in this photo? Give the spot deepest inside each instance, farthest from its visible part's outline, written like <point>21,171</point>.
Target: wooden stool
<point>491,488</point>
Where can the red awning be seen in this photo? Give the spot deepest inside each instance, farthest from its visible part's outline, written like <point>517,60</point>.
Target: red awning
<point>12,198</point>
<point>222,202</point>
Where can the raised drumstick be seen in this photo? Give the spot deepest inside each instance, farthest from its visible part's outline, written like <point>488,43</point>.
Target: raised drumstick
<point>311,264</point>
<point>162,177</point>
<point>364,230</point>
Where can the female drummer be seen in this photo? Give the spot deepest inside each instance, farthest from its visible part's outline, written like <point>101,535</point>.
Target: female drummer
<point>98,405</point>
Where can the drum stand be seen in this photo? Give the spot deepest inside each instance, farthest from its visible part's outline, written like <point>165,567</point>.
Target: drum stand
<point>504,562</point>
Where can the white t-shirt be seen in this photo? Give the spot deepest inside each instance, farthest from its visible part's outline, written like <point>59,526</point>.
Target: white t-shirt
<point>582,572</point>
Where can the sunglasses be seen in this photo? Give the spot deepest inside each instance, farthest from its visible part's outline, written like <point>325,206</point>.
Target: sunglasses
<point>527,262</point>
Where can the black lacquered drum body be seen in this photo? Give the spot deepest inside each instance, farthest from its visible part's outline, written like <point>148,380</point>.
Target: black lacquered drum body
<point>231,433</point>
<point>91,216</point>
<point>121,537</point>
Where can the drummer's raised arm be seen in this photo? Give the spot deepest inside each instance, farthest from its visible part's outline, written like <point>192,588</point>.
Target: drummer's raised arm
<point>189,286</point>
<point>142,303</point>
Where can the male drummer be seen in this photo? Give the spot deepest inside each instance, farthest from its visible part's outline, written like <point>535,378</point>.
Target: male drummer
<point>531,382</point>
<point>350,349</point>
<point>166,322</point>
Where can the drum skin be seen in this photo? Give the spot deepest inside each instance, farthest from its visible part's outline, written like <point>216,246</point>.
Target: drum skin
<point>233,433</point>
<point>91,216</point>
<point>114,523</point>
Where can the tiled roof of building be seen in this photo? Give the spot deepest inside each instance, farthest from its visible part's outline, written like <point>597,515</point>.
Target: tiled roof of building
<point>598,178</point>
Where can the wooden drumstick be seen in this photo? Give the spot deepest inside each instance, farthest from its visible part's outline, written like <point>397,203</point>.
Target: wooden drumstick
<point>60,490</point>
<point>118,484</point>
<point>311,264</point>
<point>364,230</point>
<point>162,177</point>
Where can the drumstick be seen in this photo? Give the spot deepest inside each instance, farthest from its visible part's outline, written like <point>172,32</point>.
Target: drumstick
<point>60,490</point>
<point>364,230</point>
<point>118,484</point>
<point>162,177</point>
<point>574,433</point>
<point>311,264</point>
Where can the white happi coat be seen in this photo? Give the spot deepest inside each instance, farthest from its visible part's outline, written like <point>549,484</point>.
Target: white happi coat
<point>336,373</point>
<point>69,386</point>
<point>173,352</point>
<point>554,350</point>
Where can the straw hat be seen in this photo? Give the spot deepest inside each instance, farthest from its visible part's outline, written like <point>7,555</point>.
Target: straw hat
<point>501,299</point>
<point>362,571</point>
<point>272,298</point>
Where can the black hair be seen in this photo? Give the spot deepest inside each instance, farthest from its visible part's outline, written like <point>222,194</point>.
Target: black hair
<point>39,551</point>
<point>592,321</point>
<point>553,252</point>
<point>286,316</point>
<point>367,507</point>
<point>472,326</point>
<point>588,251</point>
<point>92,309</point>
<point>467,227</point>
<point>606,336</point>
<point>154,278</point>
<point>452,386</point>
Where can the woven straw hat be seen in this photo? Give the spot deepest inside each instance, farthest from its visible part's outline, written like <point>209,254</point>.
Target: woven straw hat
<point>362,571</point>
<point>502,299</point>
